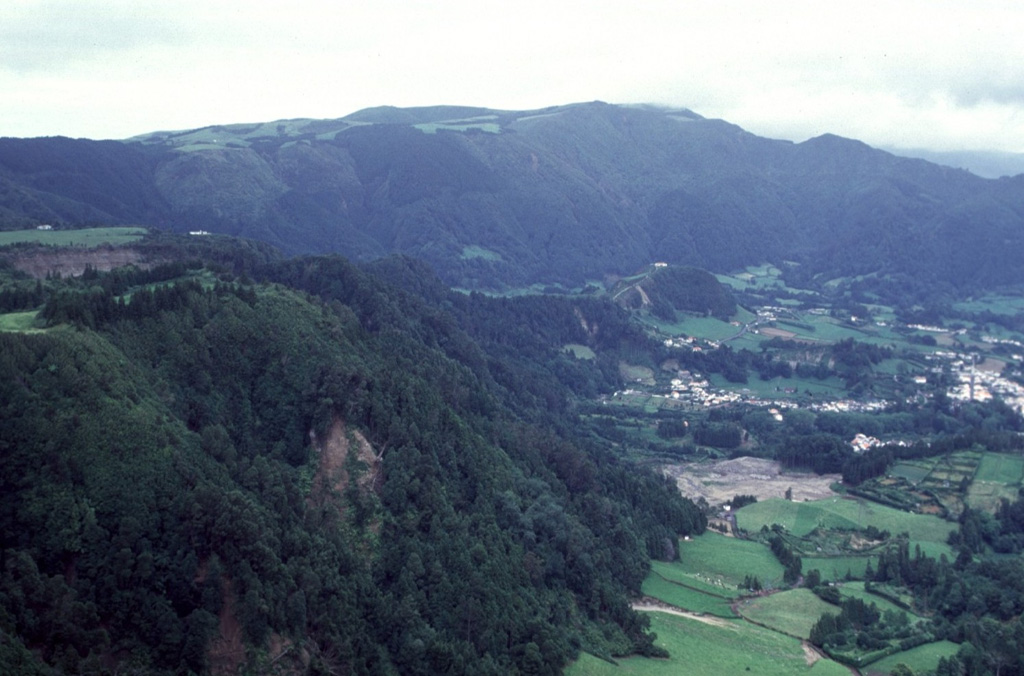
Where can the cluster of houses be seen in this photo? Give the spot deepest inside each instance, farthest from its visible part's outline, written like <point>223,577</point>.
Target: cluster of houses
<point>691,343</point>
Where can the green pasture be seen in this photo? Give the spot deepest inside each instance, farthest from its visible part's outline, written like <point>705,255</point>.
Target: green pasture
<point>89,237</point>
<point>681,574</point>
<point>1000,468</point>
<point>754,277</point>
<point>791,612</point>
<point>922,659</point>
<point>830,387</point>
<point>995,303</point>
<point>856,590</point>
<point>914,471</point>
<point>726,561</point>
<point>800,518</point>
<point>697,649</point>
<point>20,322</point>
<point>580,351</point>
<point>708,328</point>
<point>836,567</point>
<point>686,598</point>
<point>632,373</point>
<point>931,549</point>
<point>986,495</point>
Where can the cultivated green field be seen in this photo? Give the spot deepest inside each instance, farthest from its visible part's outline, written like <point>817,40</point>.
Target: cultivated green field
<point>792,612</point>
<point>836,567</point>
<point>727,561</point>
<point>830,387</point>
<point>856,590</point>
<point>700,649</point>
<point>999,304</point>
<point>684,574</point>
<point>912,471</point>
<point>922,659</point>
<point>800,518</point>
<point>90,237</point>
<point>1000,468</point>
<point>686,598</point>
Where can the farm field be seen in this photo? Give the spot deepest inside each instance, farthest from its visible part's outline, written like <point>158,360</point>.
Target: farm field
<point>836,568</point>
<point>791,612</point>
<point>856,590</point>
<point>89,237</point>
<point>727,561</point>
<point>913,471</point>
<point>800,518</point>
<point>1000,468</point>
<point>726,647</point>
<point>686,598</point>
<point>921,659</point>
<point>701,581</point>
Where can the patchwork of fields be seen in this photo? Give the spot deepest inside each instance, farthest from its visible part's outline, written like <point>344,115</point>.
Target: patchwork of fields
<point>723,628</point>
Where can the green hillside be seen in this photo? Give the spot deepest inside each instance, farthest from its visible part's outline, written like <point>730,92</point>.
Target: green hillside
<point>203,472</point>
<point>564,195</point>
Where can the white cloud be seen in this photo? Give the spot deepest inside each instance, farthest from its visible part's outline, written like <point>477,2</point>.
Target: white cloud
<point>937,74</point>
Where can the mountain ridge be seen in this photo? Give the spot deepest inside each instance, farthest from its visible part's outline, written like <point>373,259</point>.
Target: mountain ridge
<point>564,194</point>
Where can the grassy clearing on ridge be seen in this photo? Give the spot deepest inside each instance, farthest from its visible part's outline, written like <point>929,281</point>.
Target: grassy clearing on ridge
<point>20,322</point>
<point>89,237</point>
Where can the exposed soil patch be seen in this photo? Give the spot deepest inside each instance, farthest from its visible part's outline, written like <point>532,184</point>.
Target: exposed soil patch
<point>773,331</point>
<point>811,654</point>
<point>649,604</point>
<point>338,467</point>
<point>71,261</point>
<point>719,482</point>
<point>226,652</point>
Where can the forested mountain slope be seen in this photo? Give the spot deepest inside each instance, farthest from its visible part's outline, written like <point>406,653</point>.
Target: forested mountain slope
<point>563,194</point>
<point>314,471</point>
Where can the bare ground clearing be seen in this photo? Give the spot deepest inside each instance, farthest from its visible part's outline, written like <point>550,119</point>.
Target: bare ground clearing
<point>773,331</point>
<point>658,606</point>
<point>718,482</point>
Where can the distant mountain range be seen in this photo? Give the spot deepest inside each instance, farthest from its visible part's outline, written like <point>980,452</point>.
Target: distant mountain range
<point>987,164</point>
<point>494,198</point>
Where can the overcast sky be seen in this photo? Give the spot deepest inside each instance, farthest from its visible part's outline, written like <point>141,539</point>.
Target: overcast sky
<point>930,74</point>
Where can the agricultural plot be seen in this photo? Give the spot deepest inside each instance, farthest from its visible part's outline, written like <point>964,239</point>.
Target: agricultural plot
<point>922,659</point>
<point>998,478</point>
<point>686,598</point>
<point>791,612</point>
<point>914,471</point>
<point>725,562</point>
<point>725,647</point>
<point>677,573</point>
<point>856,590</point>
<point>801,518</point>
<point>89,237</point>
<point>837,568</point>
<point>1001,468</point>
<point>776,387</point>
